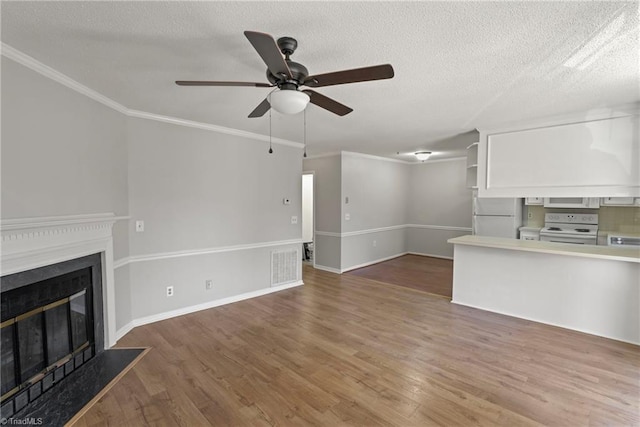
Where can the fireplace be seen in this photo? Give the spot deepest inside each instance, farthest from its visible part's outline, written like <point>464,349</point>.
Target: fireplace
<point>51,324</point>
<point>58,293</point>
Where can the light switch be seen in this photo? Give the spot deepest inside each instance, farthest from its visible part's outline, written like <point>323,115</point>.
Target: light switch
<point>294,219</point>
<point>139,226</point>
<point>347,217</point>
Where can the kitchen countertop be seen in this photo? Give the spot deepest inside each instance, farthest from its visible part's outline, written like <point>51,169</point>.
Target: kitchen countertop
<point>568,249</point>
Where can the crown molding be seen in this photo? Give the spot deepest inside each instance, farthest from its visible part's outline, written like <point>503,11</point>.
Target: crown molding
<point>320,156</point>
<point>45,70</point>
<point>594,114</point>
<point>404,162</point>
<point>58,221</point>
<point>37,66</point>
<point>210,127</point>
<point>373,157</point>
<point>431,161</point>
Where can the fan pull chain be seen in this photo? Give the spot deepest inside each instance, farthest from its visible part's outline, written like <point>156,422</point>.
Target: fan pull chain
<point>304,135</point>
<point>270,149</point>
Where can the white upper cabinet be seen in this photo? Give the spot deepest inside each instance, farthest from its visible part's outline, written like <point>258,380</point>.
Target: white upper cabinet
<point>534,201</point>
<point>620,201</point>
<point>596,158</point>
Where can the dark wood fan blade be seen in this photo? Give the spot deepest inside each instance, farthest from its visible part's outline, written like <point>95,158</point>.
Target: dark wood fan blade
<point>206,83</point>
<point>327,103</point>
<point>261,109</point>
<point>377,72</point>
<point>268,50</point>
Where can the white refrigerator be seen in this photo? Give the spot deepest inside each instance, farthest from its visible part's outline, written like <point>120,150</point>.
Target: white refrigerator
<point>496,217</point>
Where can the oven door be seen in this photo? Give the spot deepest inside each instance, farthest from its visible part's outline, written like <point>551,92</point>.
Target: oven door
<point>564,238</point>
<point>572,202</point>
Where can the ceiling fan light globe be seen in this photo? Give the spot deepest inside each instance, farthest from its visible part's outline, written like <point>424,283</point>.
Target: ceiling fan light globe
<point>288,101</point>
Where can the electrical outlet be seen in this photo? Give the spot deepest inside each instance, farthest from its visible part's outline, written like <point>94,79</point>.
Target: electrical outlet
<point>530,215</point>
<point>294,219</point>
<point>375,243</point>
<point>209,284</point>
<point>347,217</point>
<point>169,291</point>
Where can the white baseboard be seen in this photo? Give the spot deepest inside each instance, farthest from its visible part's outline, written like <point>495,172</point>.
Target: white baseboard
<point>124,330</point>
<point>199,307</point>
<point>329,269</point>
<point>366,264</point>
<point>430,255</point>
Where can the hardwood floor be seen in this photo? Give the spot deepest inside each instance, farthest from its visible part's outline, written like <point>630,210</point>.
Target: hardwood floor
<point>427,274</point>
<point>344,350</point>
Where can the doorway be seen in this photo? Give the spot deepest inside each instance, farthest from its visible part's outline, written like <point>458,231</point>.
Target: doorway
<point>308,217</point>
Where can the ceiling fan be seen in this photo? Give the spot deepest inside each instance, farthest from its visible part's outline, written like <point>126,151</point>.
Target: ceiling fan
<point>288,76</point>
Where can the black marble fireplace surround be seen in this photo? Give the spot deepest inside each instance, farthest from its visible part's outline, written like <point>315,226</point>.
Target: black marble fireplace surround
<point>52,324</point>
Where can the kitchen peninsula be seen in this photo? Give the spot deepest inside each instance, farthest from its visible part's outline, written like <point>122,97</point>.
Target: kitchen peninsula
<point>592,289</point>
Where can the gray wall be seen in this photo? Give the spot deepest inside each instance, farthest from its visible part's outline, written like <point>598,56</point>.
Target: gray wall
<point>377,192</point>
<point>63,154</point>
<point>328,182</point>
<point>394,208</point>
<point>439,204</point>
<point>215,200</point>
<point>438,194</point>
<point>199,191</point>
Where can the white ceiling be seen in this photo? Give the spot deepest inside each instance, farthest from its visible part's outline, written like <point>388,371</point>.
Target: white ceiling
<point>458,65</point>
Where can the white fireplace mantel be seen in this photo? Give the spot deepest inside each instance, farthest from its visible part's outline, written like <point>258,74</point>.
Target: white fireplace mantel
<point>29,243</point>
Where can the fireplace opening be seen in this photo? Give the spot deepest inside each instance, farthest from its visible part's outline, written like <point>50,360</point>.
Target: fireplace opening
<point>50,326</point>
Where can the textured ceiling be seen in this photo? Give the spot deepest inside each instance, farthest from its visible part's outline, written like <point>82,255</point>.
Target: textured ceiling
<point>458,65</point>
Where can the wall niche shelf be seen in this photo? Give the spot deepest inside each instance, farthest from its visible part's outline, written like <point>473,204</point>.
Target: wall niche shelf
<point>472,166</point>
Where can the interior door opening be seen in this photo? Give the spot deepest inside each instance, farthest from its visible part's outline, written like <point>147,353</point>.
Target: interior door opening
<point>308,217</point>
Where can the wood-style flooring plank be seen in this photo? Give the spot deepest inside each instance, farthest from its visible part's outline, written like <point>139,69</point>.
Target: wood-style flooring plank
<point>423,273</point>
<point>347,350</point>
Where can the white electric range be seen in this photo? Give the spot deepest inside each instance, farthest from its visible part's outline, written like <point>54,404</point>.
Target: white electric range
<point>578,228</point>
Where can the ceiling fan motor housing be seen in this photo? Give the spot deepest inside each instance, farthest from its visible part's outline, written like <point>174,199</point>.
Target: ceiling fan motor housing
<point>298,71</point>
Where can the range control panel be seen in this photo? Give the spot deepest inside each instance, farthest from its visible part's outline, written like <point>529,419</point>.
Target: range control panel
<point>577,218</point>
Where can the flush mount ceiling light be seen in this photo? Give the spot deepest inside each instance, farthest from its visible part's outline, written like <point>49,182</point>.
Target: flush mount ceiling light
<point>422,155</point>
<point>288,101</point>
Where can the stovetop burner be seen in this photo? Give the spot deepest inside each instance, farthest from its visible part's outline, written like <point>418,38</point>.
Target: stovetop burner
<point>576,228</point>
<point>555,228</point>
